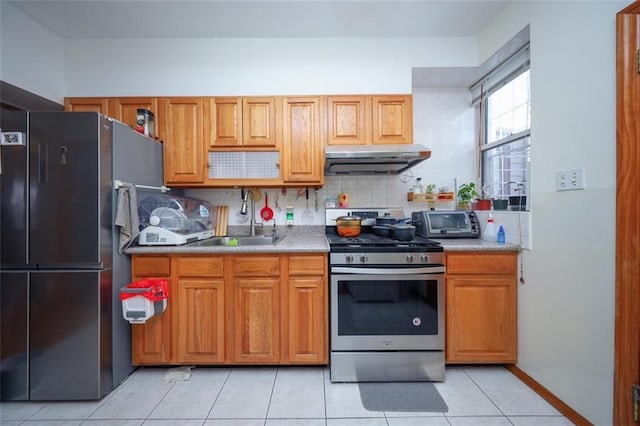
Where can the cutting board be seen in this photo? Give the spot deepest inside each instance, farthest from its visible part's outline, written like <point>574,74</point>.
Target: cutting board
<point>222,216</point>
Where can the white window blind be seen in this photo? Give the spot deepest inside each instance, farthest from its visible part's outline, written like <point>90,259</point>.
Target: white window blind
<point>515,65</point>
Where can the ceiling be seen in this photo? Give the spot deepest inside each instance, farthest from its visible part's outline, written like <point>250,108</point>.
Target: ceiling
<point>261,18</point>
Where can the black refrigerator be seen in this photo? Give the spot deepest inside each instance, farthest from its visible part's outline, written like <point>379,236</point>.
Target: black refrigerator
<point>62,334</point>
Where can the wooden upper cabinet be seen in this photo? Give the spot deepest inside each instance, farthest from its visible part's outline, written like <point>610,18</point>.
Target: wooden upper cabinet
<point>183,133</point>
<point>126,109</point>
<point>100,105</point>
<point>243,122</point>
<point>348,120</point>
<point>392,119</point>
<point>302,150</point>
<point>259,122</point>
<point>225,116</point>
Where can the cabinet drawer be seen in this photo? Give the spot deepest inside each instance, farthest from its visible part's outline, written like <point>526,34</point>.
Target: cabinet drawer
<point>200,266</point>
<point>148,266</point>
<point>307,265</point>
<point>248,266</point>
<point>484,263</point>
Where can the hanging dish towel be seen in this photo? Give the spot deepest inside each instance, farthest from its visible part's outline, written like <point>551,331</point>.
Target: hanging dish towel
<point>127,215</point>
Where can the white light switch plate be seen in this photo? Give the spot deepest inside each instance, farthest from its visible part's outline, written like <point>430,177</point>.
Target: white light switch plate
<point>570,180</point>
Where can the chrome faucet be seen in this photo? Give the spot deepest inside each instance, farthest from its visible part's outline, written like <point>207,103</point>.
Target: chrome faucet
<point>243,210</point>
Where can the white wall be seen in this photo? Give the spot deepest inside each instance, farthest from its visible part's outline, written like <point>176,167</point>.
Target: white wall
<point>566,308</point>
<point>116,67</point>
<point>32,57</point>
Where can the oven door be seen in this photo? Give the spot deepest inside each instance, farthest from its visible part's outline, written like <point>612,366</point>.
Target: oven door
<point>374,309</point>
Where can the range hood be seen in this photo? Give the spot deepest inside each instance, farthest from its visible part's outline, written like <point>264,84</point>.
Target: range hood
<point>373,159</point>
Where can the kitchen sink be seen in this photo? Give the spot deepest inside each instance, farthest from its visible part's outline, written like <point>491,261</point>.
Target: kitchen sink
<point>258,240</point>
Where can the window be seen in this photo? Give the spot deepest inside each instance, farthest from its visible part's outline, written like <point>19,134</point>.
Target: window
<point>503,103</point>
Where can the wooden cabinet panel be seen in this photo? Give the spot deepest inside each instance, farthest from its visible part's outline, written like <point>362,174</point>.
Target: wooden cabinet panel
<point>259,121</point>
<point>151,341</point>
<point>308,264</point>
<point>302,150</point>
<point>476,263</point>
<point>200,315</point>
<point>255,323</point>
<point>226,121</point>
<point>183,134</point>
<point>125,110</point>
<point>203,266</point>
<point>481,319</point>
<point>392,119</point>
<point>348,120</point>
<point>151,266</point>
<point>307,320</point>
<point>100,105</point>
<point>252,266</point>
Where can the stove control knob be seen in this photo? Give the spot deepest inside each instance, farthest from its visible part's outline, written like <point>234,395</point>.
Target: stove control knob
<point>409,258</point>
<point>348,258</point>
<point>363,259</point>
<point>424,258</point>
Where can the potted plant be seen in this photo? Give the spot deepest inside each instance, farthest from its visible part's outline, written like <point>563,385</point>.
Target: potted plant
<point>484,202</point>
<point>430,191</point>
<point>500,203</point>
<point>466,193</point>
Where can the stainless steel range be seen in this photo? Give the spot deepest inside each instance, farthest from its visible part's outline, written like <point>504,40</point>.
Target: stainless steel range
<point>387,304</point>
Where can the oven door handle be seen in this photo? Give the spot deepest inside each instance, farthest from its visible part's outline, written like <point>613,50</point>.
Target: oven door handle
<point>387,271</point>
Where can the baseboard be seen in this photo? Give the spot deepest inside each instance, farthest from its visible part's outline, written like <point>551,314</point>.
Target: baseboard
<point>556,402</point>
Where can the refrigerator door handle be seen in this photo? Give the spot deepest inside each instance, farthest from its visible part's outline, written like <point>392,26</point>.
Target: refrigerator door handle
<point>42,162</point>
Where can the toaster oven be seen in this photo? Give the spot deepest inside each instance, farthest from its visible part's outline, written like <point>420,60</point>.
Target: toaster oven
<point>446,224</point>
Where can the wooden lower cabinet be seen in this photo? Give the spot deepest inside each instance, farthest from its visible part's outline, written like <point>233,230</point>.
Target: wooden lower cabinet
<point>236,309</point>
<point>255,326</point>
<point>152,340</point>
<point>481,307</point>
<point>200,310</point>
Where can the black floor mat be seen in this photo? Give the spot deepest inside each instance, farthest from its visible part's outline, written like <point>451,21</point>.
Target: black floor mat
<point>402,396</point>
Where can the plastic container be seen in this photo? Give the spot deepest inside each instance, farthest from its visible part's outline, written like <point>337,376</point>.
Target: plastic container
<point>501,236</point>
<point>418,188</point>
<point>143,299</point>
<point>490,232</point>
<point>289,216</point>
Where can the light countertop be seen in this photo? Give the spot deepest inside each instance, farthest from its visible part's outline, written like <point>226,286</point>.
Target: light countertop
<point>310,240</point>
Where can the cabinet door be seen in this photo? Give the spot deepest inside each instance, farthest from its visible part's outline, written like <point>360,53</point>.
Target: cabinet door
<point>392,119</point>
<point>100,105</point>
<point>259,122</point>
<point>348,120</point>
<point>182,127</point>
<point>151,341</point>
<point>255,324</point>
<point>302,151</point>
<point>307,320</point>
<point>125,109</point>
<point>481,318</point>
<point>226,121</point>
<point>200,333</point>
<point>200,299</point>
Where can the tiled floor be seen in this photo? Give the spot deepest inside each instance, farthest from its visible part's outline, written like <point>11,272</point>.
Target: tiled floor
<point>286,397</point>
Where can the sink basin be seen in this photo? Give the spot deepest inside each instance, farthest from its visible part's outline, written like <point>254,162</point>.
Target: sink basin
<point>258,240</point>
